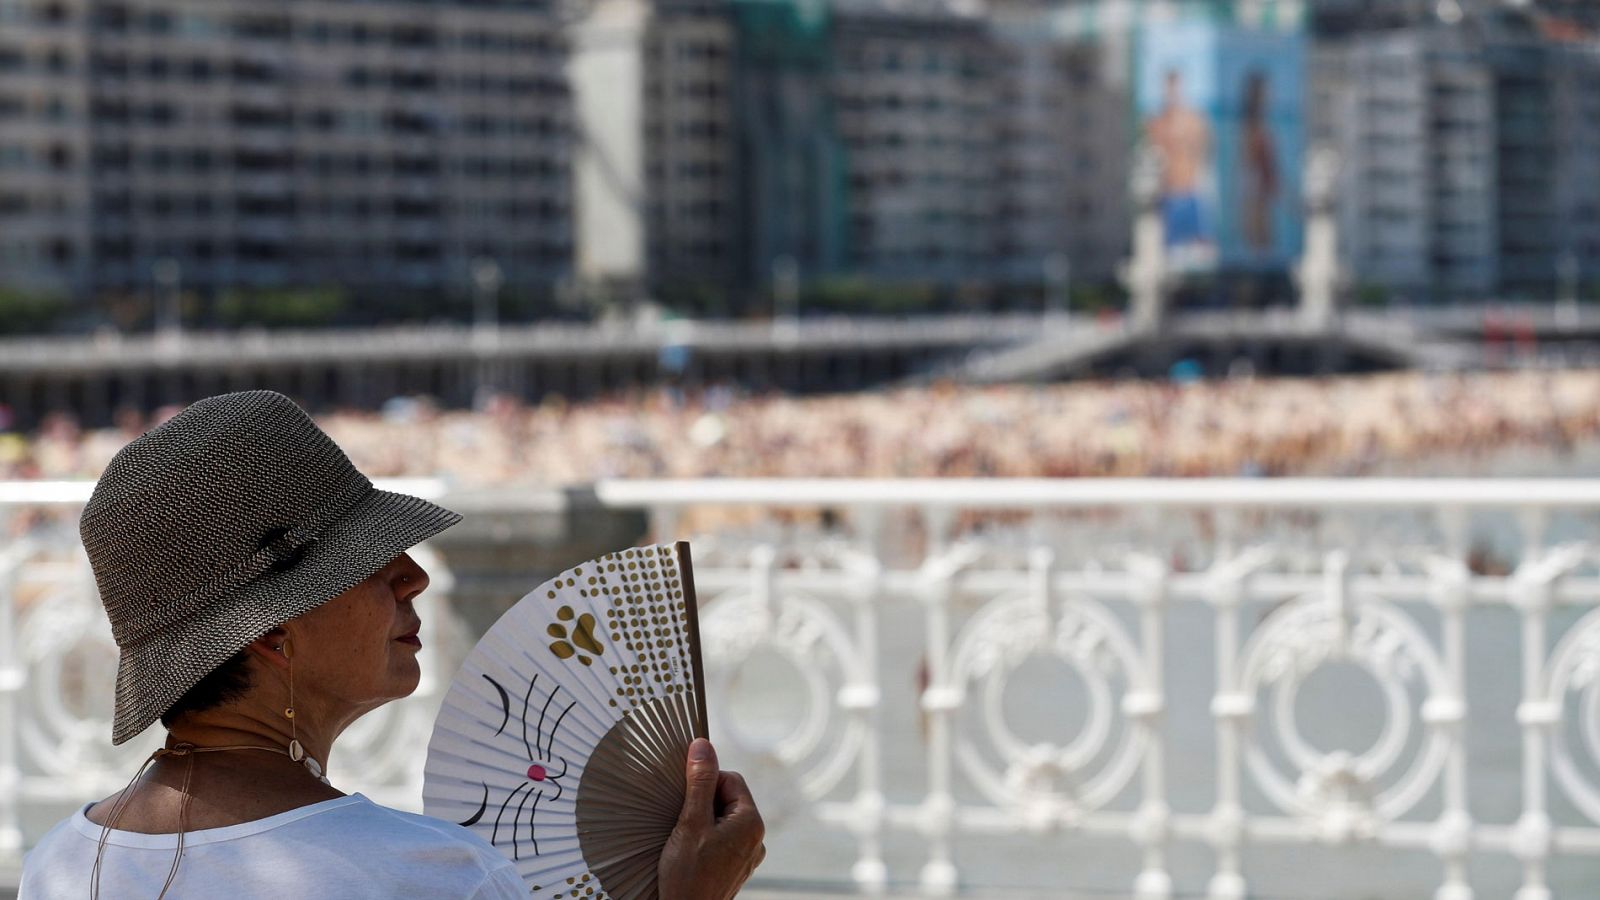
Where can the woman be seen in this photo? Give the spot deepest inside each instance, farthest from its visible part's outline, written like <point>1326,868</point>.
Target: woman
<point>261,597</point>
<point>1259,163</point>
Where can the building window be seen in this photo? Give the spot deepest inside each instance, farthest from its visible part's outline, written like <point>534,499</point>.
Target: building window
<point>271,27</point>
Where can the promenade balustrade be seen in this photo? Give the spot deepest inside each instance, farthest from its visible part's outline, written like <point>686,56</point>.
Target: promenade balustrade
<point>1329,688</point>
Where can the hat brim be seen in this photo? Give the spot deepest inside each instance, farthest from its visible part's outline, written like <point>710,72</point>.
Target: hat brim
<point>154,672</point>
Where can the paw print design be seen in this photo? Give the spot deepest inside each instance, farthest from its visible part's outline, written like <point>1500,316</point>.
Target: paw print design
<point>581,640</point>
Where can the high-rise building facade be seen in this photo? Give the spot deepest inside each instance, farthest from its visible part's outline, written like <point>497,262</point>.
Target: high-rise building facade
<point>379,146</point>
<point>691,201</point>
<point>792,162</point>
<point>1575,127</point>
<point>658,151</point>
<point>1411,115</point>
<point>1467,156</point>
<point>1064,135</point>
<point>1336,18</point>
<point>917,114</point>
<point>727,148</point>
<point>45,151</point>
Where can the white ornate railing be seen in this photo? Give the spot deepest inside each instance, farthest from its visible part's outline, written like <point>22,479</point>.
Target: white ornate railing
<point>909,670</point>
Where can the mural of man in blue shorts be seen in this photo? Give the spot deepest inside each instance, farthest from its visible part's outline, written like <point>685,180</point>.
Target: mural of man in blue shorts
<point>1182,138</point>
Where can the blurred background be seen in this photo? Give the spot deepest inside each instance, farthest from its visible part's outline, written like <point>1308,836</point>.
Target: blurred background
<point>1132,447</point>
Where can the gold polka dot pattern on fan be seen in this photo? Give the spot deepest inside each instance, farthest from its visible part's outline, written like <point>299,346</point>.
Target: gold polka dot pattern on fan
<point>640,593</point>
<point>584,886</point>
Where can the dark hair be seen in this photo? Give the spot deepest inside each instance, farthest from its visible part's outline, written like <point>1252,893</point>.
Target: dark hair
<point>224,684</point>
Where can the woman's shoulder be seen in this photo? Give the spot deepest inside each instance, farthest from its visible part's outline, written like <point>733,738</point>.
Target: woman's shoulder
<point>425,846</point>
<point>377,846</point>
<point>411,829</point>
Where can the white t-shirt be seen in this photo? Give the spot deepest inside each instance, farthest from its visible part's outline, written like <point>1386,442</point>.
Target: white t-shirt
<point>348,848</point>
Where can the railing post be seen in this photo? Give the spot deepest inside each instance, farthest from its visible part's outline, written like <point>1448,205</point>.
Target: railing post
<point>764,579</point>
<point>664,523</point>
<point>1145,706</point>
<point>939,701</point>
<point>1452,837</point>
<point>1231,710</point>
<point>1532,837</point>
<point>870,873</point>
<point>12,675</point>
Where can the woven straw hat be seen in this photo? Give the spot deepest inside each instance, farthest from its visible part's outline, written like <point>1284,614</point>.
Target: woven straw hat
<point>232,517</point>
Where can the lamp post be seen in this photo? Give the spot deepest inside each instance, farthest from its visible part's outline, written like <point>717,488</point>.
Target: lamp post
<point>168,274</point>
<point>785,289</point>
<point>1567,272</point>
<point>486,281</point>
<point>1058,285</point>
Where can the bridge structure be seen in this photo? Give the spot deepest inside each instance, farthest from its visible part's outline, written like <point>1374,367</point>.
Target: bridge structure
<point>1374,689</point>
<point>95,376</point>
<point>362,368</point>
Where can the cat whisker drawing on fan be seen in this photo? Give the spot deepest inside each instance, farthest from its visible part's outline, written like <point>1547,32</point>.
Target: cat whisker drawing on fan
<point>539,774</point>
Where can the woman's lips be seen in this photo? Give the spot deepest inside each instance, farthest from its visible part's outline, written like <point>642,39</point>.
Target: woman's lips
<point>411,639</point>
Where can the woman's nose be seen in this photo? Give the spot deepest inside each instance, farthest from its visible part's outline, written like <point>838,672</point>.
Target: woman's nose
<point>410,579</point>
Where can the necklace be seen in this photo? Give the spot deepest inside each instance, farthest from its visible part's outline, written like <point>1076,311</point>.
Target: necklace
<point>187,751</point>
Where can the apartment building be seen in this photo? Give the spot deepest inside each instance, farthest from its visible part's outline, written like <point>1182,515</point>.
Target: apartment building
<point>1064,160</point>
<point>1468,156</point>
<point>380,146</point>
<point>656,155</point>
<point>916,100</point>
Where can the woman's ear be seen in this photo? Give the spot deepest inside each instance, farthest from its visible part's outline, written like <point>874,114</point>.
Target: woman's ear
<point>271,648</point>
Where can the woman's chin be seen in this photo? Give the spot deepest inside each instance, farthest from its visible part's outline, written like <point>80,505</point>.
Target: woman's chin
<point>406,674</point>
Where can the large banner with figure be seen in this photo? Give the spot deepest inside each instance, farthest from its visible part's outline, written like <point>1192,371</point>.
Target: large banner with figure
<point>1222,109</point>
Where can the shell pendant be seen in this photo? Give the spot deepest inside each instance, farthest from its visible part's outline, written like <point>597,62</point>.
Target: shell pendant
<point>315,769</point>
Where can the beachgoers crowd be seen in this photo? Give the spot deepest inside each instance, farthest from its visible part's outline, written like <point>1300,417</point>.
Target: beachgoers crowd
<point>1345,425</point>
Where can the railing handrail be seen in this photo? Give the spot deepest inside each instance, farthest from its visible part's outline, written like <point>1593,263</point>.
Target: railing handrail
<point>1036,493</point>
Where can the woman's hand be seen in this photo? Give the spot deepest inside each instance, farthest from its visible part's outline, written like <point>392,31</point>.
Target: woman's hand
<point>717,841</point>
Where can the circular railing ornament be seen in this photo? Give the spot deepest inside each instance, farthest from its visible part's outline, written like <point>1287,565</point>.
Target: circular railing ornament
<point>814,753</point>
<point>1575,669</point>
<point>1050,785</point>
<point>1347,795</point>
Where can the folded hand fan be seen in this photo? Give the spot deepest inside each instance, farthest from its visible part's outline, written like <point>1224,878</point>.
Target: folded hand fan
<point>563,737</point>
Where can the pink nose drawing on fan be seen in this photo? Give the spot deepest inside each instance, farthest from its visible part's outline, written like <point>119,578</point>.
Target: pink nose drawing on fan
<point>536,772</point>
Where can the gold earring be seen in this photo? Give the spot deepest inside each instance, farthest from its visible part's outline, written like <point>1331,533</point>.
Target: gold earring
<point>296,752</point>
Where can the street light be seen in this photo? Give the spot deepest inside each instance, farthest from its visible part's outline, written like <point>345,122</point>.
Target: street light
<point>168,274</point>
<point>1058,284</point>
<point>1568,271</point>
<point>785,289</point>
<point>487,278</point>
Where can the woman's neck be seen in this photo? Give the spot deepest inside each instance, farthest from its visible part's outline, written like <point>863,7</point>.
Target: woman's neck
<point>244,726</point>
<point>216,789</point>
